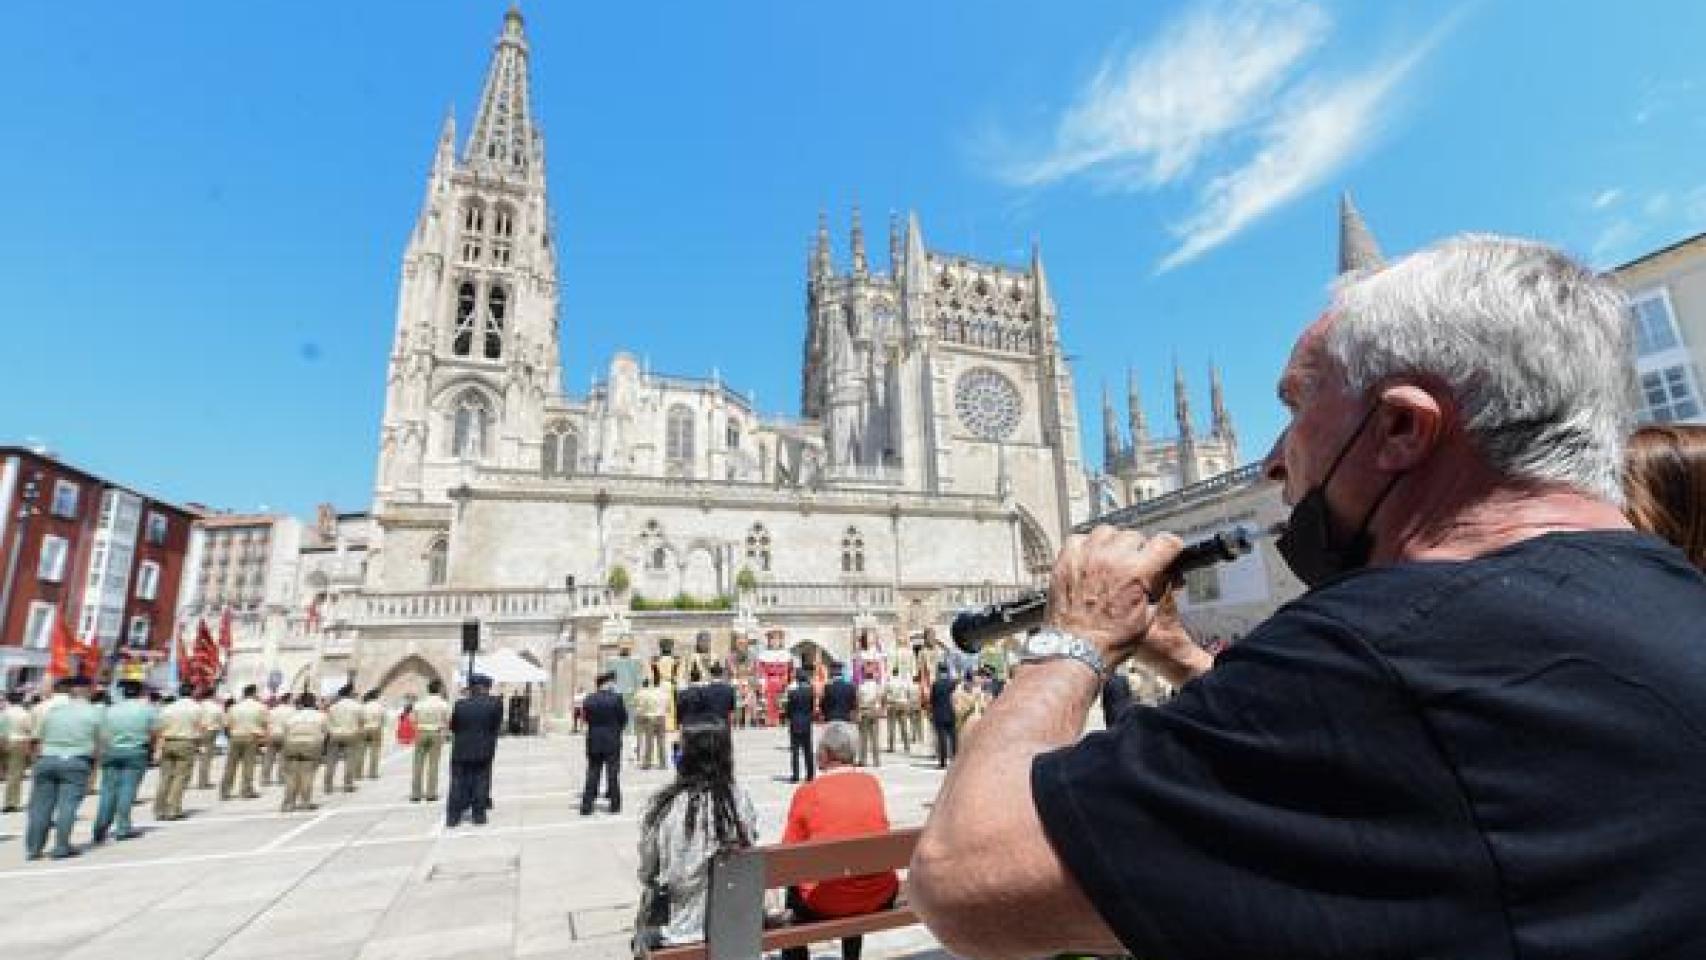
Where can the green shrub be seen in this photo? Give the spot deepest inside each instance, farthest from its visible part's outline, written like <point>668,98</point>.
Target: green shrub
<point>618,579</point>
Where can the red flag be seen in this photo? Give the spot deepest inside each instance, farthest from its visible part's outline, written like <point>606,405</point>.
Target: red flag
<point>206,659</point>
<point>185,665</point>
<point>60,649</point>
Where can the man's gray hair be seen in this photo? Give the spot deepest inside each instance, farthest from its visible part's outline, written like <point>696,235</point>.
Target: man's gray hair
<point>1533,346</point>
<point>840,742</point>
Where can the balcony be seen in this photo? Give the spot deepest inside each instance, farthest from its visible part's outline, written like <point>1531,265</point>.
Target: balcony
<point>457,605</point>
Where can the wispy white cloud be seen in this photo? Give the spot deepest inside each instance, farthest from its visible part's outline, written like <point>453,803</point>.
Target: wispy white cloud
<point>1226,99</point>
<point>1606,198</point>
<point>1640,220</point>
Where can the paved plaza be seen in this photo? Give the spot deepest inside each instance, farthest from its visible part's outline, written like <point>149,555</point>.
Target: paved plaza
<point>370,875</point>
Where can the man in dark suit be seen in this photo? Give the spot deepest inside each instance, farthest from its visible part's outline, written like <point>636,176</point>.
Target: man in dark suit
<point>606,717</point>
<point>942,716</point>
<point>840,698</point>
<point>690,700</point>
<point>719,697</point>
<point>474,726</point>
<point>798,707</point>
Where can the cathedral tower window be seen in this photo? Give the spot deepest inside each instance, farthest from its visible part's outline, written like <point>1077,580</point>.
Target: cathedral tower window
<point>651,543</point>
<point>462,344</point>
<point>470,418</point>
<point>678,440</point>
<point>852,551</point>
<point>473,224</point>
<point>561,454</point>
<point>758,548</point>
<point>503,234</point>
<point>438,563</point>
<point>497,310</point>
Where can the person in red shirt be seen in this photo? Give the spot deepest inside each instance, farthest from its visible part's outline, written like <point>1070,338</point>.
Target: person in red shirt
<point>842,802</point>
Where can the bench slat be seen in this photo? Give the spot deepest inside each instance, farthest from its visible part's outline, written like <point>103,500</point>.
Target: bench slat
<point>793,864</point>
<point>804,934</point>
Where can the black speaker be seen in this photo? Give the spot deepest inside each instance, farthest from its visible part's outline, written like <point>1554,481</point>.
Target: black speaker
<point>470,636</point>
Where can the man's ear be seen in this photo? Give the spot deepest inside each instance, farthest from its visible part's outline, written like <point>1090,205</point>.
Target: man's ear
<point>1411,424</point>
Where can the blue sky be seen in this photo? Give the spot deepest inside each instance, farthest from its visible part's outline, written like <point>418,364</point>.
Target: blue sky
<point>209,200</point>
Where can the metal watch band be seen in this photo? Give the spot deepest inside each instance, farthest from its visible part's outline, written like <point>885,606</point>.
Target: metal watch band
<point>1072,647</point>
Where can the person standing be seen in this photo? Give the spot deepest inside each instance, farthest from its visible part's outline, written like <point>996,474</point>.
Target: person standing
<point>690,700</point>
<point>273,771</point>
<point>648,702</point>
<point>212,721</point>
<point>474,726</point>
<point>798,706</point>
<point>372,732</point>
<point>870,714</point>
<point>343,723</point>
<point>70,729</point>
<point>432,714</point>
<point>129,734</point>
<point>606,718</point>
<point>942,716</point>
<point>305,732</point>
<point>720,699</point>
<point>245,728</point>
<point>180,741</point>
<point>627,670</point>
<point>897,697</point>
<point>16,749</point>
<point>840,698</point>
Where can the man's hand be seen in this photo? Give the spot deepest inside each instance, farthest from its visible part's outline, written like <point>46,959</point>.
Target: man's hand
<point>1106,587</point>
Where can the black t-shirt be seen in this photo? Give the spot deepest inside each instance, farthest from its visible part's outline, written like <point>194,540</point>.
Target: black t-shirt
<point>1500,758</point>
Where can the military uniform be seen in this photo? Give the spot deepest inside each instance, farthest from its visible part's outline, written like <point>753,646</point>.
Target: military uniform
<point>70,732</point>
<point>431,714</point>
<point>212,721</point>
<point>15,748</point>
<point>343,723</point>
<point>272,770</point>
<point>897,695</point>
<point>870,700</point>
<point>304,743</point>
<point>127,735</point>
<point>651,713</point>
<point>372,735</point>
<point>246,726</point>
<point>180,738</point>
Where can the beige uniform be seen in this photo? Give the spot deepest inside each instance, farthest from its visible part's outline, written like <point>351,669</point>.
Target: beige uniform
<point>180,739</point>
<point>273,770</point>
<point>304,742</point>
<point>15,751</point>
<point>372,735</point>
<point>246,726</point>
<point>870,714</point>
<point>212,721</point>
<point>650,714</point>
<point>343,723</point>
<point>897,693</point>
<point>432,715</point>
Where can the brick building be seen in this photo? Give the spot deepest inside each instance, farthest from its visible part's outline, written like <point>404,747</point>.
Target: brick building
<point>73,545</point>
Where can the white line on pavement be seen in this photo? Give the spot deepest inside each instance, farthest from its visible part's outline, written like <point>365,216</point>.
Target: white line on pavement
<point>292,834</point>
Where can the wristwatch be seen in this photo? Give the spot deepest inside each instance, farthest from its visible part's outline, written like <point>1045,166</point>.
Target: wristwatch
<point>1051,644</point>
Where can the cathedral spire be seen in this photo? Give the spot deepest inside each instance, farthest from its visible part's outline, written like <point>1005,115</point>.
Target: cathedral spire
<point>504,137</point>
<point>1357,249</point>
<point>914,248</point>
<point>822,266</point>
<point>860,266</point>
<point>1134,413</point>
<point>897,241</point>
<point>1188,472</point>
<point>445,159</point>
<point>1223,430</point>
<point>1039,276</point>
<point>1110,433</point>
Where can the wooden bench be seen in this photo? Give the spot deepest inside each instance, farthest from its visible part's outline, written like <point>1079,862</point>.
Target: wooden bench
<point>734,908</point>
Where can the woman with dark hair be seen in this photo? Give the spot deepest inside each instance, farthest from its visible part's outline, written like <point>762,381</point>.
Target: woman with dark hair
<point>700,813</point>
<point>1664,482</point>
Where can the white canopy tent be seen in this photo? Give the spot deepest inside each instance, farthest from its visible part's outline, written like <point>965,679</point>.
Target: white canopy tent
<point>503,666</point>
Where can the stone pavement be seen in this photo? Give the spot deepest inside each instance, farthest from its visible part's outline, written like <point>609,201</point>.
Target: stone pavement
<point>371,876</point>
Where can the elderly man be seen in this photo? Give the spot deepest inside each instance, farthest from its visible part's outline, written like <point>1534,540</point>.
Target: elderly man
<point>1477,735</point>
<point>841,802</point>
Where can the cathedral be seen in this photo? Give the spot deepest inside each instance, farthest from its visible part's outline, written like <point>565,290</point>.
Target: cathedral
<point>1141,467</point>
<point>935,461</point>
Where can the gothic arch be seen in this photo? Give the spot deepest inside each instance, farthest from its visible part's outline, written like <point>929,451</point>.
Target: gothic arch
<point>408,675</point>
<point>1038,552</point>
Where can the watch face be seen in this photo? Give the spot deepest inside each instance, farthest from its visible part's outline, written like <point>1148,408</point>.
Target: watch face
<point>1044,643</point>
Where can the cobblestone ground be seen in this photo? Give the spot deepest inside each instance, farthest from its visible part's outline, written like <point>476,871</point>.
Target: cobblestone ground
<point>370,875</point>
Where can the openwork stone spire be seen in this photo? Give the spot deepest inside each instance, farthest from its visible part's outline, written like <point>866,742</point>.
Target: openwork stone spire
<point>1357,249</point>
<point>1110,432</point>
<point>504,137</point>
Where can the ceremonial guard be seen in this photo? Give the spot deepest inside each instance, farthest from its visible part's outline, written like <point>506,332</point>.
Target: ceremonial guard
<point>432,715</point>
<point>870,700</point>
<point>775,668</point>
<point>372,732</point>
<point>343,723</point>
<point>212,722</point>
<point>666,673</point>
<point>273,772</point>
<point>800,705</point>
<point>128,735</point>
<point>305,733</point>
<point>245,727</point>
<point>180,741</point>
<point>474,725</point>
<point>17,744</point>
<point>897,700</point>
<point>649,722</point>
<point>869,661</point>
<point>69,729</point>
<point>606,718</point>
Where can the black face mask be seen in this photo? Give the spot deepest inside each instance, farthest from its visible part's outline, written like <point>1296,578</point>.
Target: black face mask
<point>1307,544</point>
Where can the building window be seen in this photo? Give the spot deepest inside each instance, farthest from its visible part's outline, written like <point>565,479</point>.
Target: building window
<point>678,441</point>
<point>656,561</point>
<point>148,580</point>
<point>758,548</point>
<point>1655,328</point>
<point>65,499</point>
<point>473,222</point>
<point>157,529</point>
<point>438,563</point>
<point>560,455</point>
<point>139,630</point>
<point>732,436</point>
<point>497,310</point>
<point>469,417</point>
<point>38,626</point>
<point>852,551</point>
<point>1669,395</point>
<point>652,543</point>
<point>51,566</point>
<point>503,232</point>
<point>462,344</point>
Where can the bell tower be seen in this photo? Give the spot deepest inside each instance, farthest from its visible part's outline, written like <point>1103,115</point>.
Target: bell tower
<point>476,353</point>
